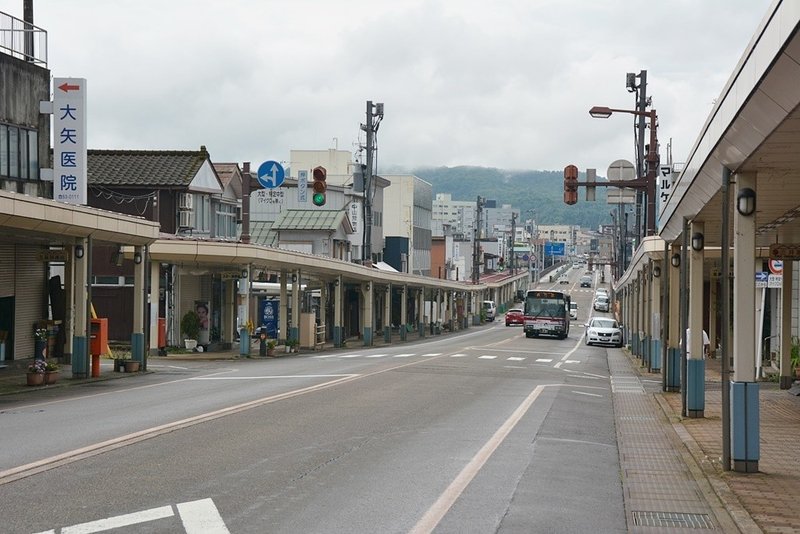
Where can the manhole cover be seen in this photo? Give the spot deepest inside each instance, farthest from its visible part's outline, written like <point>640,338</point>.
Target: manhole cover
<point>672,519</point>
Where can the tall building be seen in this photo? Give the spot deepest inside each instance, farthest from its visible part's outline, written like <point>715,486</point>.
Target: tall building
<point>407,219</point>
<point>459,215</point>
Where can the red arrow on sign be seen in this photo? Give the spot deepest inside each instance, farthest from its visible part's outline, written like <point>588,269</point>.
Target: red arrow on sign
<point>67,87</point>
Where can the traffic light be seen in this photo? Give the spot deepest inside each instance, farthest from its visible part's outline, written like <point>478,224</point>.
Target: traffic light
<point>570,184</point>
<point>320,174</point>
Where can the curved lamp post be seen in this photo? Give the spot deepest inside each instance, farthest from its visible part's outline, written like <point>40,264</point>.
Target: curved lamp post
<point>647,182</point>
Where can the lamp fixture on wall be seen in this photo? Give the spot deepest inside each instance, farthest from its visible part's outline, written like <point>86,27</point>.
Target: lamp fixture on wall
<point>676,260</point>
<point>746,202</point>
<point>244,273</point>
<point>336,282</point>
<point>698,241</point>
<point>79,251</point>
<point>368,286</point>
<point>137,257</point>
<point>656,271</point>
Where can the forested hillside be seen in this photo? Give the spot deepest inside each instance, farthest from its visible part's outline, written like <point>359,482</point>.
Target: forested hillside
<point>541,191</point>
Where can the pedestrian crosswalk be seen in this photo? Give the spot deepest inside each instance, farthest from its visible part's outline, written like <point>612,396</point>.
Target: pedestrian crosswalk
<point>475,355</point>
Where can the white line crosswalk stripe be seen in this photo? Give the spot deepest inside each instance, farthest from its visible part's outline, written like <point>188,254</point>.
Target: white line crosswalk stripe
<point>487,357</point>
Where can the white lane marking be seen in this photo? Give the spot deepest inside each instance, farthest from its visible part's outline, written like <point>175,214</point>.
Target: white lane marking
<point>120,521</point>
<point>404,355</point>
<point>263,377</point>
<point>544,360</point>
<point>446,500</point>
<point>376,355</point>
<point>572,361</point>
<point>517,351</point>
<point>515,359</point>
<point>323,356</point>
<point>587,377</point>
<point>350,356</point>
<point>589,394</point>
<point>514,367</point>
<point>570,353</point>
<point>459,355</point>
<point>432,354</point>
<point>487,357</point>
<point>202,517</point>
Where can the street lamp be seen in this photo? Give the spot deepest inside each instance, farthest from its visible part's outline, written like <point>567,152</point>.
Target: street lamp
<point>648,182</point>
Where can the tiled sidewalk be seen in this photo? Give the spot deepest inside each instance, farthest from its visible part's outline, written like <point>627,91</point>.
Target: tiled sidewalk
<point>770,497</point>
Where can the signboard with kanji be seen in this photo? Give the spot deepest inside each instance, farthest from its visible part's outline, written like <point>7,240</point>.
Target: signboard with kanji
<point>69,140</point>
<point>784,251</point>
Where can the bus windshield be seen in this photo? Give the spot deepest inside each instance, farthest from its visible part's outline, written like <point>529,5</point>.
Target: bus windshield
<point>545,304</point>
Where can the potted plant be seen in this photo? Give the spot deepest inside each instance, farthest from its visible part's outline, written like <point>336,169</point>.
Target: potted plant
<point>271,347</point>
<point>40,344</point>
<point>291,345</point>
<point>50,372</point>
<point>190,326</point>
<point>796,356</point>
<point>36,370</point>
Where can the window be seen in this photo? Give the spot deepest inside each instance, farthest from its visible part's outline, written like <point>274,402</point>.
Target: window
<point>226,220</point>
<point>19,152</point>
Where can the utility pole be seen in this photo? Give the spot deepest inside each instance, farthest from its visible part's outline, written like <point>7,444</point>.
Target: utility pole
<point>374,117</point>
<point>641,106</point>
<point>476,257</point>
<point>513,238</point>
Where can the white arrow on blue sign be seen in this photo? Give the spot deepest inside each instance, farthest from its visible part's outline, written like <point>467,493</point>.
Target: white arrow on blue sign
<point>270,174</point>
<point>761,279</point>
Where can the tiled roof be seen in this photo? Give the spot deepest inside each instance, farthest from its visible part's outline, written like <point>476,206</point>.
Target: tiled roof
<point>165,168</point>
<point>260,233</point>
<point>309,220</point>
<point>226,171</point>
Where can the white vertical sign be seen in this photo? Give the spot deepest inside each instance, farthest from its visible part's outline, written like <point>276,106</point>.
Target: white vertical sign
<point>69,140</point>
<point>302,186</point>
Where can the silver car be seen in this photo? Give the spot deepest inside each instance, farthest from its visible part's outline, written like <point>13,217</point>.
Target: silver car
<point>603,331</point>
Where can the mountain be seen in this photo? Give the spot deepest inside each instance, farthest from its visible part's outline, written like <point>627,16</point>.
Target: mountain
<point>541,191</point>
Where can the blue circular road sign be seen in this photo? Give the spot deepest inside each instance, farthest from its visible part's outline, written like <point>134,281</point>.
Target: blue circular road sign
<point>270,174</point>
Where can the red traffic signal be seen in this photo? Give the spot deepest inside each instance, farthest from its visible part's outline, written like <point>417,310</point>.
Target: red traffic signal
<point>320,175</point>
<point>570,184</point>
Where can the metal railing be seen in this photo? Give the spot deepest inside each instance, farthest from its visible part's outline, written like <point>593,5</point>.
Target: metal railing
<point>22,40</point>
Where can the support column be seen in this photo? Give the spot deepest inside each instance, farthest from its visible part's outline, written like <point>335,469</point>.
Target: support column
<point>294,330</point>
<point>404,313</point>
<point>137,336</point>
<point>646,315</point>
<point>421,312</point>
<point>283,323</point>
<point>155,290</point>
<point>695,363</point>
<point>786,324</point>
<point>338,329</point>
<point>673,363</point>
<point>69,296</point>
<point>80,340</point>
<point>244,312</point>
<point>323,312</point>
<point>438,320</point>
<point>367,320</point>
<point>744,388</point>
<point>655,314</point>
<point>387,314</point>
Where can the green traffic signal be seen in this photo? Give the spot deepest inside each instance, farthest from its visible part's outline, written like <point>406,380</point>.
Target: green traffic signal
<point>318,199</point>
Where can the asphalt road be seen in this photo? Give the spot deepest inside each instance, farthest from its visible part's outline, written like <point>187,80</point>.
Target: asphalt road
<point>486,431</point>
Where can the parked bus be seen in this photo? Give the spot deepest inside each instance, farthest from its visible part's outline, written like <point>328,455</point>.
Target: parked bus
<point>546,312</point>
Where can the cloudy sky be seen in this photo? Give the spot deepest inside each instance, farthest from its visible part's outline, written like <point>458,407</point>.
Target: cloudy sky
<point>506,83</point>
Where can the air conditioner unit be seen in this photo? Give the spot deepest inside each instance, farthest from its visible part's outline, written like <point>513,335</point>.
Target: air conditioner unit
<point>185,219</point>
<point>185,201</point>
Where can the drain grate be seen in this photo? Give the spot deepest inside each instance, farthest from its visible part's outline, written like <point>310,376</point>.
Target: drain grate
<point>672,519</point>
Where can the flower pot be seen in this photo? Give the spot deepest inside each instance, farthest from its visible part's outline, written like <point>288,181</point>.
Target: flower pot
<point>51,377</point>
<point>131,366</point>
<point>190,344</point>
<point>35,379</point>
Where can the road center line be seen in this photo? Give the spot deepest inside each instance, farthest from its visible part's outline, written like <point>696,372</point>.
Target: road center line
<point>446,500</point>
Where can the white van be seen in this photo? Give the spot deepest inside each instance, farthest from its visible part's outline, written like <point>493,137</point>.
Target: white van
<point>490,309</point>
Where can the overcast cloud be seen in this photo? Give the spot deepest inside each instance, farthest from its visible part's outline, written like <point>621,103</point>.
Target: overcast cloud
<point>506,83</point>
